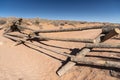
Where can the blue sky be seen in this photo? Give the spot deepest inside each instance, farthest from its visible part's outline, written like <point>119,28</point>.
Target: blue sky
<point>83,10</point>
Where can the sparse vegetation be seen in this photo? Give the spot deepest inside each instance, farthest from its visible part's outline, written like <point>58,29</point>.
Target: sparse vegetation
<point>62,24</point>
<point>2,22</point>
<point>55,23</point>
<point>83,22</point>
<point>36,21</point>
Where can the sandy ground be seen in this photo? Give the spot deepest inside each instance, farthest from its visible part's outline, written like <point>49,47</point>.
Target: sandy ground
<point>32,63</point>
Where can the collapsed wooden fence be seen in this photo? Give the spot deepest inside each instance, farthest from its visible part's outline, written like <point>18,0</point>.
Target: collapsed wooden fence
<point>25,38</point>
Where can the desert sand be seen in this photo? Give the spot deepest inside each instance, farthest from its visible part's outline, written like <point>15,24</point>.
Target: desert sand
<point>32,63</point>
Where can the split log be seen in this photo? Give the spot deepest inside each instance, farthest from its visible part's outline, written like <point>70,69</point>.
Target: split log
<point>70,64</point>
<point>103,63</point>
<point>111,33</point>
<point>79,55</point>
<point>108,29</point>
<point>102,45</point>
<point>74,29</point>
<point>99,38</point>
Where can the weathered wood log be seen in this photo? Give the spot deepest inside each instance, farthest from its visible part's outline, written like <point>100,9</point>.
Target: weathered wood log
<point>111,33</point>
<point>18,28</point>
<point>19,40</point>
<point>70,64</point>
<point>6,25</point>
<point>102,45</point>
<point>79,55</point>
<point>65,39</point>
<point>75,29</point>
<point>108,29</point>
<point>99,38</point>
<point>53,38</point>
<point>23,27</point>
<point>14,26</point>
<point>103,63</point>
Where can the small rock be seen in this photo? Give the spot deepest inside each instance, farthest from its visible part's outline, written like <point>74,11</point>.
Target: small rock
<point>115,73</point>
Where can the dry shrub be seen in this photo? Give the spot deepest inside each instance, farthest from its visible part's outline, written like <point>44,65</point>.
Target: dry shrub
<point>55,23</point>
